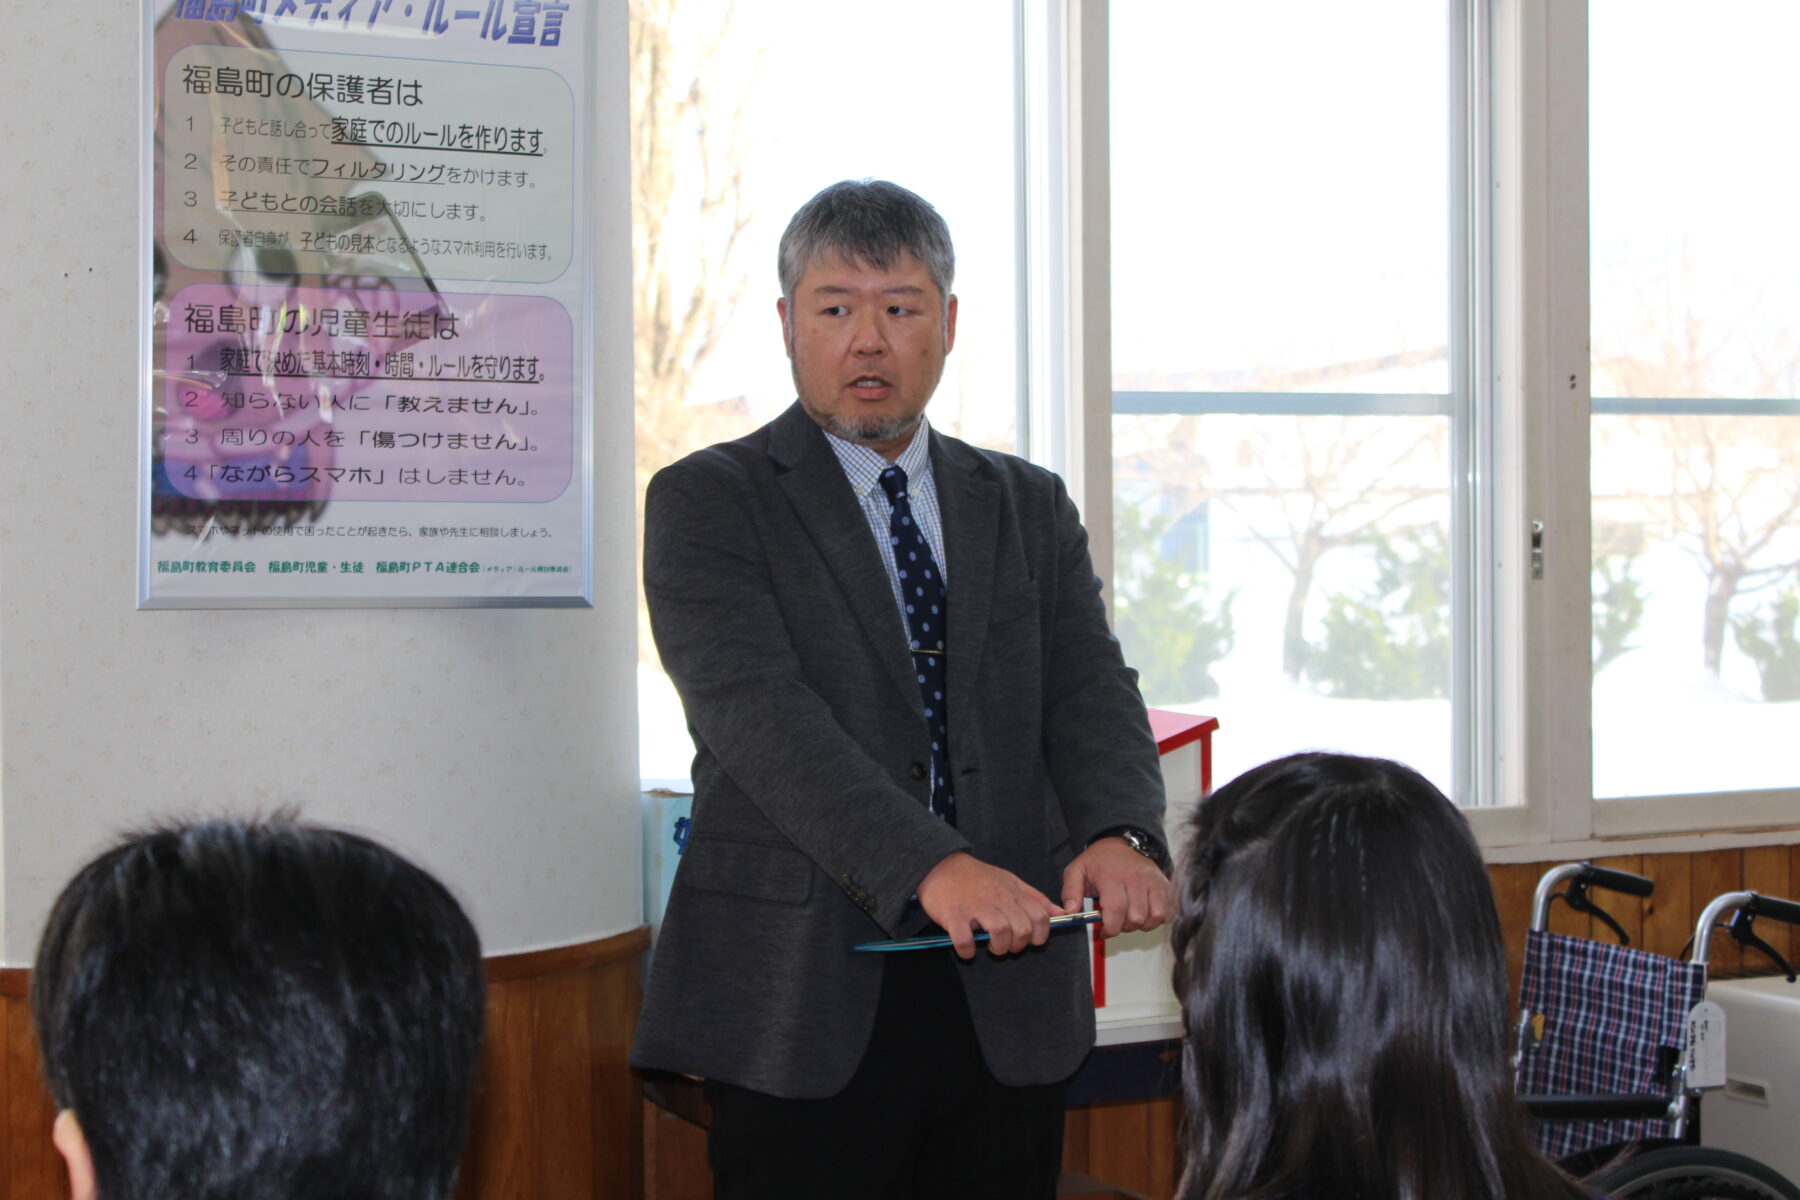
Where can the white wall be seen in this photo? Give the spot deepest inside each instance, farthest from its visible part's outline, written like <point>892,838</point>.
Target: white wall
<point>496,747</point>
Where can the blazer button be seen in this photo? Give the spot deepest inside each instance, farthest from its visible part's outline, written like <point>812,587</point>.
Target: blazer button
<point>918,770</point>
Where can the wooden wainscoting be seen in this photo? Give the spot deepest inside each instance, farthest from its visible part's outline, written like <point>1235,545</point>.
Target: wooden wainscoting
<point>559,1115</point>
<point>30,1168</point>
<point>1135,1146</point>
<point>1662,923</point>
<point>556,1115</point>
<point>1131,1146</point>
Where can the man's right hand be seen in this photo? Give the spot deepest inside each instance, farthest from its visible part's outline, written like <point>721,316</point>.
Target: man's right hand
<point>964,895</point>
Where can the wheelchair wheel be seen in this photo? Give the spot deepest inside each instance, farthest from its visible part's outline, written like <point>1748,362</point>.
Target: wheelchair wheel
<point>1692,1173</point>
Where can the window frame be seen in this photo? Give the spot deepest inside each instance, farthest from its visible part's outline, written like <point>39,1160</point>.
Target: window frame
<point>1464,405</point>
<point>1521,67</point>
<point>1519,362</point>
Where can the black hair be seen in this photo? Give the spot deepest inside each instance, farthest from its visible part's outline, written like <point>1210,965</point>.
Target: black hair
<point>871,221</point>
<point>253,1010</point>
<point>1342,976</point>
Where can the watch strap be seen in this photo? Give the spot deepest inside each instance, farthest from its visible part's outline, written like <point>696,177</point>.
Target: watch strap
<point>1142,840</point>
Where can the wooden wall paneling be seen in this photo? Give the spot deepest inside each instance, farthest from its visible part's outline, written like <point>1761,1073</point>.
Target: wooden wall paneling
<point>652,1172</point>
<point>541,1060</point>
<point>1793,884</point>
<point>30,1167</point>
<point>1715,872</point>
<point>1099,1141</point>
<point>1513,885</point>
<point>1075,1141</point>
<point>564,1062</point>
<point>1165,1146</point>
<point>1135,1146</point>
<point>1793,893</point>
<point>618,1097</point>
<point>496,1157</point>
<point>675,1164</point>
<point>1669,915</point>
<point>8,1085</point>
<point>559,1115</point>
<point>1120,1149</point>
<point>556,1113</point>
<point>1628,911</point>
<point>1768,871</point>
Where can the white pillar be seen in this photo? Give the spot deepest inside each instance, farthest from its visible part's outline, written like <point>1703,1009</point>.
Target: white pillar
<point>497,747</point>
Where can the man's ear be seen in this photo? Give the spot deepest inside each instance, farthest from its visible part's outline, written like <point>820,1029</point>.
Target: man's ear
<point>787,326</point>
<point>68,1139</point>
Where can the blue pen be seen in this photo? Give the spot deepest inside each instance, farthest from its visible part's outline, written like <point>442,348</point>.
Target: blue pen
<point>931,941</point>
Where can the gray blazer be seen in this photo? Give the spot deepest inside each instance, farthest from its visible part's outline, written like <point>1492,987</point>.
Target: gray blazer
<point>773,612</point>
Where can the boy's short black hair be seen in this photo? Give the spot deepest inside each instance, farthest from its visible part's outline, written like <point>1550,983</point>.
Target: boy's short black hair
<point>239,1009</point>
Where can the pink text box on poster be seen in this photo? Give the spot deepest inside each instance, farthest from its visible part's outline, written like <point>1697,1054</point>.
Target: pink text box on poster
<point>366,393</point>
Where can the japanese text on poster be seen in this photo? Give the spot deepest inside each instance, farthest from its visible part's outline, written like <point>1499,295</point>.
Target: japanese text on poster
<point>369,378</point>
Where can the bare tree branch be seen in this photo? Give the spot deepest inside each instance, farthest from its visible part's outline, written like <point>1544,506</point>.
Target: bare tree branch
<point>689,154</point>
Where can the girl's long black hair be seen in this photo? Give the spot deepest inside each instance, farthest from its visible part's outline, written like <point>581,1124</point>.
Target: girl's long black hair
<point>1343,982</point>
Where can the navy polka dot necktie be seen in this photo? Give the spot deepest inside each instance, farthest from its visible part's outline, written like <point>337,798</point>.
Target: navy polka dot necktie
<point>927,605</point>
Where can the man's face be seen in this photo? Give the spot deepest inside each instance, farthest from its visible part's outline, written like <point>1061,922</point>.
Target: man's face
<point>867,347</point>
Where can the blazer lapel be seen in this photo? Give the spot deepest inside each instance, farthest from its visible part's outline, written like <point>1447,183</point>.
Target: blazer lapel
<point>819,492</point>
<point>971,510</point>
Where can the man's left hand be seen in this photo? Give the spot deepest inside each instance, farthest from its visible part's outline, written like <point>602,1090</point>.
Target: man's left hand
<point>1132,891</point>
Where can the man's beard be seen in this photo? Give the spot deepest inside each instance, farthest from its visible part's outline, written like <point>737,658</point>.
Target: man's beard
<point>874,427</point>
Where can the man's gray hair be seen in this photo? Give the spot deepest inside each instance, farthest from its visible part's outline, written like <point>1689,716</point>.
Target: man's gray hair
<point>870,221</point>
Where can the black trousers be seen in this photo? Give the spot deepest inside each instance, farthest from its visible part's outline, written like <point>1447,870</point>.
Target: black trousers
<point>922,1118</point>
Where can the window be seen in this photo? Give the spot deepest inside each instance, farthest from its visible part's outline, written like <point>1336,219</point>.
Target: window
<point>1292,400</point>
<point>736,120</point>
<point>1350,296</point>
<point>1297,296</point>
<point>1696,408</point>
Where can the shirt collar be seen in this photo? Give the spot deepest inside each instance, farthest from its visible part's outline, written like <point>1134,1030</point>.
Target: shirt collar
<point>864,465</point>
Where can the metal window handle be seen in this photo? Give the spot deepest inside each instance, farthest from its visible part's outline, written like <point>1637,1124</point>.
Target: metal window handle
<point>1537,549</point>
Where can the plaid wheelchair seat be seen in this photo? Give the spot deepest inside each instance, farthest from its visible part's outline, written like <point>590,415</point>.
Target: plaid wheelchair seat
<point>1603,1017</point>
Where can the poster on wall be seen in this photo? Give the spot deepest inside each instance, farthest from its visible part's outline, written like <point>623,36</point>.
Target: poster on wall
<point>367,359</point>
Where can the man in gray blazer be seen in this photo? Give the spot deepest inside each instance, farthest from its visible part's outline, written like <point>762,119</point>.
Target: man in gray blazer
<point>907,711</point>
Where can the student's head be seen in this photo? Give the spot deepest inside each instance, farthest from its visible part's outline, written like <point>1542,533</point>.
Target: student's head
<point>1343,982</point>
<point>258,1009</point>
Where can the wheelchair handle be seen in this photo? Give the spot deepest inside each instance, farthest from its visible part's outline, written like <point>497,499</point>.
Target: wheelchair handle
<point>1617,881</point>
<point>1781,910</point>
<point>1759,905</point>
<point>1598,1107</point>
<point>1582,873</point>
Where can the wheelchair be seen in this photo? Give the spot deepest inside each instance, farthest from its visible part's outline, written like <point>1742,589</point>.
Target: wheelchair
<point>1603,1057</point>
